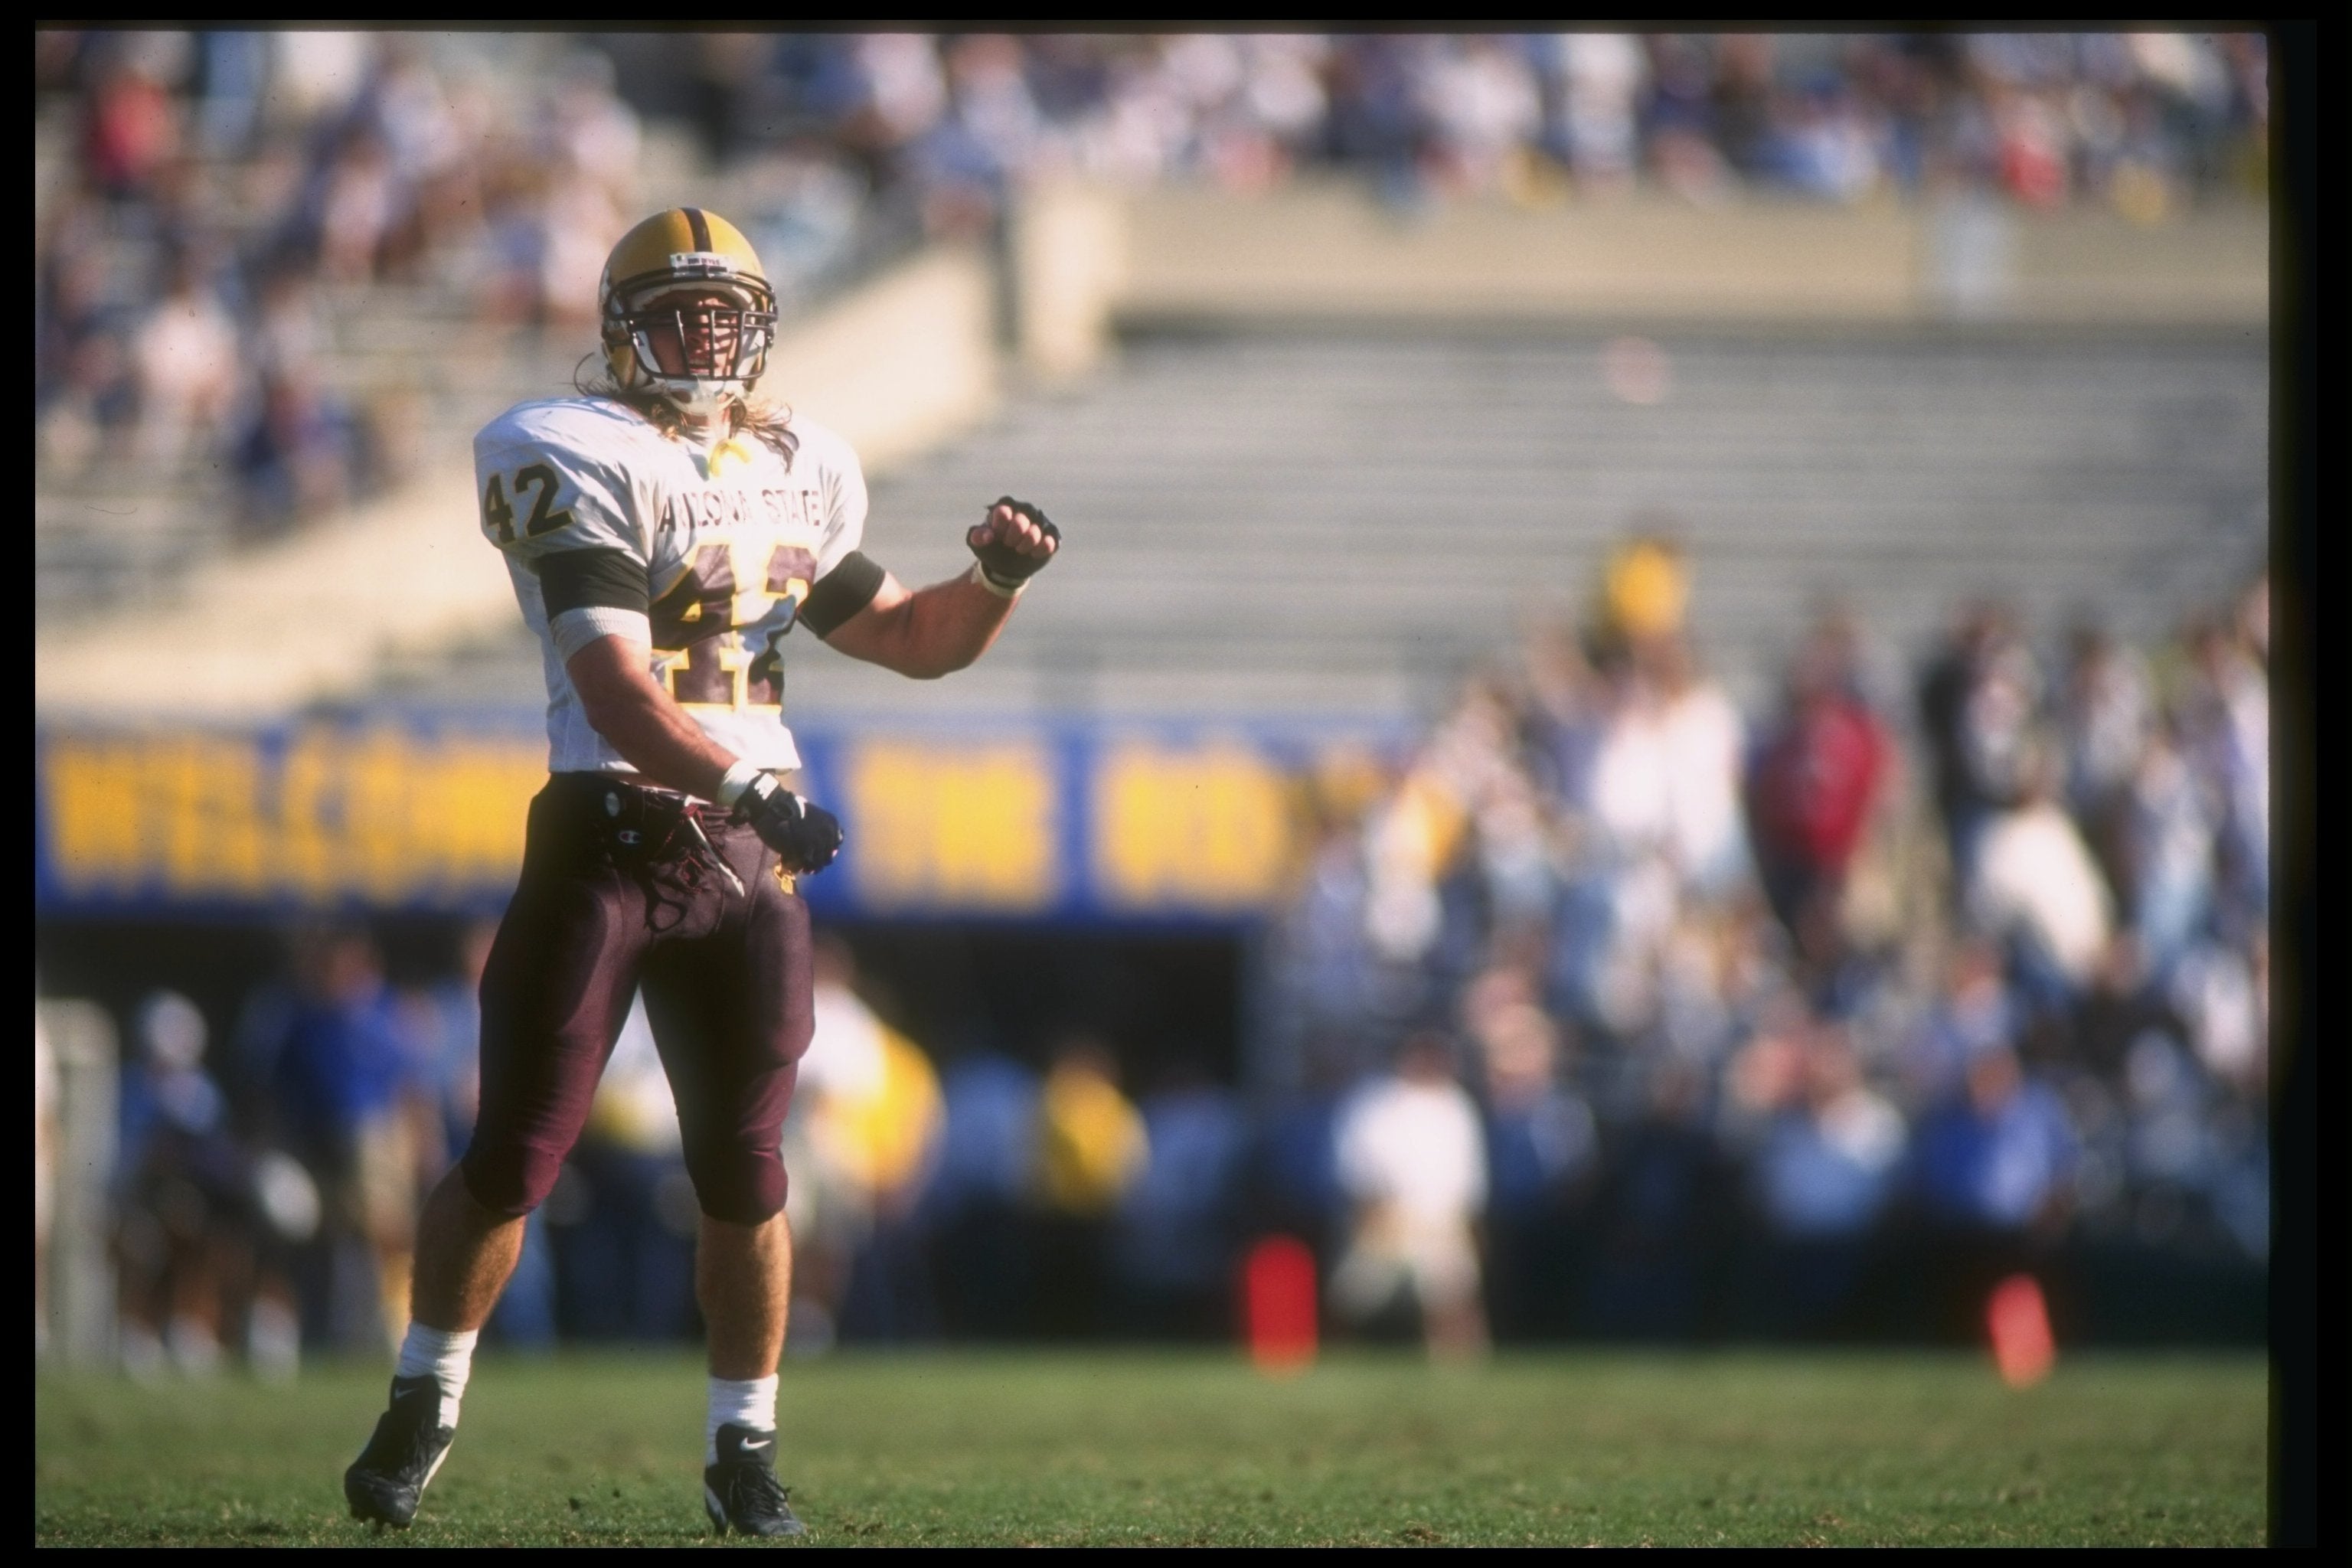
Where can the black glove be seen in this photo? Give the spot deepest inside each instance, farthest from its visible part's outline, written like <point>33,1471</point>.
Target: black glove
<point>806,837</point>
<point>999,561</point>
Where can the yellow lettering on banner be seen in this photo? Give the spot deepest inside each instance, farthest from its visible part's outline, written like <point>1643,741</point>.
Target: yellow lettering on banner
<point>94,808</point>
<point>405,819</point>
<point>310,817</point>
<point>380,833</point>
<point>381,815</point>
<point>210,838</point>
<point>1205,828</point>
<point>470,803</point>
<point>938,825</point>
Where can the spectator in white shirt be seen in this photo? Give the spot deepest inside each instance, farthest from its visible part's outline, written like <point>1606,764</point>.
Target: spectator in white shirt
<point>185,355</point>
<point>1412,1161</point>
<point>2035,881</point>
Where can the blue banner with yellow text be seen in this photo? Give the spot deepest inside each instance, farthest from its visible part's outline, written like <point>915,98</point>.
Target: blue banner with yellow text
<point>422,813</point>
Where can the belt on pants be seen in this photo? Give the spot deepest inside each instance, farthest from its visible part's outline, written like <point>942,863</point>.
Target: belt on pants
<point>650,821</point>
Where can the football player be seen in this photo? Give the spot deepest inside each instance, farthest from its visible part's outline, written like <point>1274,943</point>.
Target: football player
<point>667,531</point>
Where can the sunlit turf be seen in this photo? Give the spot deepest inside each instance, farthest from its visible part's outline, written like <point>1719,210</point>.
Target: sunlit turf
<point>1071,1449</point>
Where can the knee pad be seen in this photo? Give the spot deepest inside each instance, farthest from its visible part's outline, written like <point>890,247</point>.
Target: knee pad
<point>738,1185</point>
<point>511,1180</point>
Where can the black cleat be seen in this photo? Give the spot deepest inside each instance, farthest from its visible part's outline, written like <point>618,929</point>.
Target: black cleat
<point>740,1492</point>
<point>391,1473</point>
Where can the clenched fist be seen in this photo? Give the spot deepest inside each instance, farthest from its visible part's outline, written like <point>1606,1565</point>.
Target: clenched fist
<point>1013,542</point>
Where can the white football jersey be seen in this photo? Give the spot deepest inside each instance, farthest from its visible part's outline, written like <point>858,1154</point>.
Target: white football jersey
<point>730,540</point>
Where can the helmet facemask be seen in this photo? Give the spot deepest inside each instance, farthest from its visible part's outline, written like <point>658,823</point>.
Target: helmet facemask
<point>723,346</point>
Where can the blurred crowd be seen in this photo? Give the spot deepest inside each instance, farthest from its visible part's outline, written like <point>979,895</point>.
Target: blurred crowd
<point>222,197</point>
<point>267,1182</point>
<point>1603,1009</point>
<point>220,203</point>
<point>1812,1022</point>
<point>2144,121</point>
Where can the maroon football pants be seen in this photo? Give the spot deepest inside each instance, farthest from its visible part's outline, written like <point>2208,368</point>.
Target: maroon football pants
<point>617,892</point>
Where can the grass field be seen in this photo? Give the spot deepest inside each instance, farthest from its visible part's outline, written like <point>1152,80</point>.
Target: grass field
<point>1063,1450</point>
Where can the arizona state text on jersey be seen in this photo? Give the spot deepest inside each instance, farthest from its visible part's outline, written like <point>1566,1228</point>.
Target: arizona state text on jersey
<point>583,494</point>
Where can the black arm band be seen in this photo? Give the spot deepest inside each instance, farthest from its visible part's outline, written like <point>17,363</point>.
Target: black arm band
<point>840,592</point>
<point>593,579</point>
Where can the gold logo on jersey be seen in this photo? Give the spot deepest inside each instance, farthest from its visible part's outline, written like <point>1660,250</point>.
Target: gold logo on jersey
<point>728,455</point>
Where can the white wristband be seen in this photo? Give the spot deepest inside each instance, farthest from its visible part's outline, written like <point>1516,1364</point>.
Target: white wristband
<point>738,778</point>
<point>979,575</point>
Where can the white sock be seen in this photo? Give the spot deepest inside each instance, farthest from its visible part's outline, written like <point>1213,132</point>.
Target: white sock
<point>447,1357</point>
<point>746,1402</point>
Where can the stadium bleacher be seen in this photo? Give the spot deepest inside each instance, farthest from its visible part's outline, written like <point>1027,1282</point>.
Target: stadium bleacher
<point>127,534</point>
<point>240,177</point>
<point>1303,521</point>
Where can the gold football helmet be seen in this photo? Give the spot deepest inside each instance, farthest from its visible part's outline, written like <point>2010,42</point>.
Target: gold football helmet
<point>686,249</point>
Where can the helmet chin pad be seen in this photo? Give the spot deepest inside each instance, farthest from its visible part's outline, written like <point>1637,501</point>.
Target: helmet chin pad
<point>698,398</point>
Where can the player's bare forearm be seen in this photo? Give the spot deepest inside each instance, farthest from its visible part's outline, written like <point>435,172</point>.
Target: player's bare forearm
<point>944,627</point>
<point>642,721</point>
<point>926,632</point>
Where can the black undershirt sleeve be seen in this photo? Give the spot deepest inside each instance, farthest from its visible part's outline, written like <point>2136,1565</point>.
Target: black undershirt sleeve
<point>593,579</point>
<point>840,592</point>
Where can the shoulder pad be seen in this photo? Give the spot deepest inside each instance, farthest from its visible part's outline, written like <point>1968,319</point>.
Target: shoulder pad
<point>592,426</point>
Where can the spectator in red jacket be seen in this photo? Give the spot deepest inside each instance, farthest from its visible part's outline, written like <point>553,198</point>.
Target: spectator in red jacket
<point>1812,788</point>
